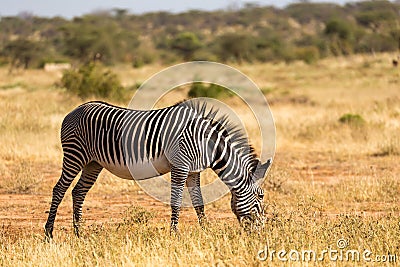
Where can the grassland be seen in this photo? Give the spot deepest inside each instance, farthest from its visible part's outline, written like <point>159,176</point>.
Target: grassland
<point>331,179</point>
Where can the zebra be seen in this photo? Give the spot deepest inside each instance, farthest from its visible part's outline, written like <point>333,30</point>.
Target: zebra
<point>182,139</point>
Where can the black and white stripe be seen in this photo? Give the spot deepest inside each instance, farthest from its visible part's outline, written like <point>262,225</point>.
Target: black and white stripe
<point>182,139</point>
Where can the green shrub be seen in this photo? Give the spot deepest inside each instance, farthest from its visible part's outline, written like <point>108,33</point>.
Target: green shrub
<point>352,119</point>
<point>204,55</point>
<point>186,44</point>
<point>199,89</point>
<point>143,58</point>
<point>92,80</point>
<point>236,47</point>
<point>309,54</point>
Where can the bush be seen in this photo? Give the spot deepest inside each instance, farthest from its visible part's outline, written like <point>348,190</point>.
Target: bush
<point>91,80</point>
<point>340,28</point>
<point>186,44</point>
<point>143,57</point>
<point>352,119</point>
<point>199,89</point>
<point>375,42</point>
<point>341,36</point>
<point>204,55</point>
<point>309,54</point>
<point>236,47</point>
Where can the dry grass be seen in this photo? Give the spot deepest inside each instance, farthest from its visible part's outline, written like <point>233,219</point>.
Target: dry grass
<point>330,179</point>
<point>223,244</point>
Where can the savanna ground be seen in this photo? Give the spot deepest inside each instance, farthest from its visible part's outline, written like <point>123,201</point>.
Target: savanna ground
<point>330,179</point>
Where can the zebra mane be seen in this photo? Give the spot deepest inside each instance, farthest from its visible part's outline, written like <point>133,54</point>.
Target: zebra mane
<point>236,134</point>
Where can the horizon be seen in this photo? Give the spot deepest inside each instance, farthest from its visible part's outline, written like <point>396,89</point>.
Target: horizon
<point>76,8</point>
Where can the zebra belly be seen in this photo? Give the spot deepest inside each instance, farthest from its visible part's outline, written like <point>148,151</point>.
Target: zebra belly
<point>139,170</point>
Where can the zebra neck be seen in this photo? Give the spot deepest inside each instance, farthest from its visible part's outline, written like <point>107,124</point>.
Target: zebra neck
<point>227,166</point>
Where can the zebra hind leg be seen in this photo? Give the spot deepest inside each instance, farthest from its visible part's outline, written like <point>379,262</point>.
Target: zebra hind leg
<point>88,177</point>
<point>193,185</point>
<point>70,169</point>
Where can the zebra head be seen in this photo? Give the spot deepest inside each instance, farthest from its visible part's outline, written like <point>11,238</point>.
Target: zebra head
<point>247,204</point>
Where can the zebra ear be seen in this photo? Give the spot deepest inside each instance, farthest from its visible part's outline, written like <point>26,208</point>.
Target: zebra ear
<point>261,169</point>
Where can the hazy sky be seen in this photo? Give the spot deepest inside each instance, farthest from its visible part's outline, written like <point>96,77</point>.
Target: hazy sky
<point>71,8</point>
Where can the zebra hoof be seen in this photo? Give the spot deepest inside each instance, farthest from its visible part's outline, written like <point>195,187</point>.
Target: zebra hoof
<point>174,231</point>
<point>48,234</point>
<point>76,231</point>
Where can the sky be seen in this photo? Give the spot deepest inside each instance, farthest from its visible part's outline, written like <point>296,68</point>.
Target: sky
<point>72,8</point>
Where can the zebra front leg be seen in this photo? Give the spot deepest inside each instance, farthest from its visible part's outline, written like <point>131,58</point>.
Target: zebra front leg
<point>178,178</point>
<point>193,185</point>
<point>88,177</point>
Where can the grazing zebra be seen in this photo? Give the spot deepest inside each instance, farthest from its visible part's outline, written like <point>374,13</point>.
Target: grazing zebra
<point>182,139</point>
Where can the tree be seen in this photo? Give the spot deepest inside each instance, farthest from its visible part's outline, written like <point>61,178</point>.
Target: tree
<point>120,13</point>
<point>92,36</point>
<point>377,14</point>
<point>235,46</point>
<point>186,44</point>
<point>21,52</point>
<point>305,11</point>
<point>340,34</point>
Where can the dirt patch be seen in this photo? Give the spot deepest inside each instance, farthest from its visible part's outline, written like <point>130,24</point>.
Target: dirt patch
<point>27,212</point>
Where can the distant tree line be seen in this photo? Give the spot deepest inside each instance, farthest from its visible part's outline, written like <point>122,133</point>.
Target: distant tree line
<point>301,31</point>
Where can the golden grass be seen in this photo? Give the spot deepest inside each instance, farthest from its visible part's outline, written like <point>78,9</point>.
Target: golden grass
<point>330,180</point>
<point>131,244</point>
